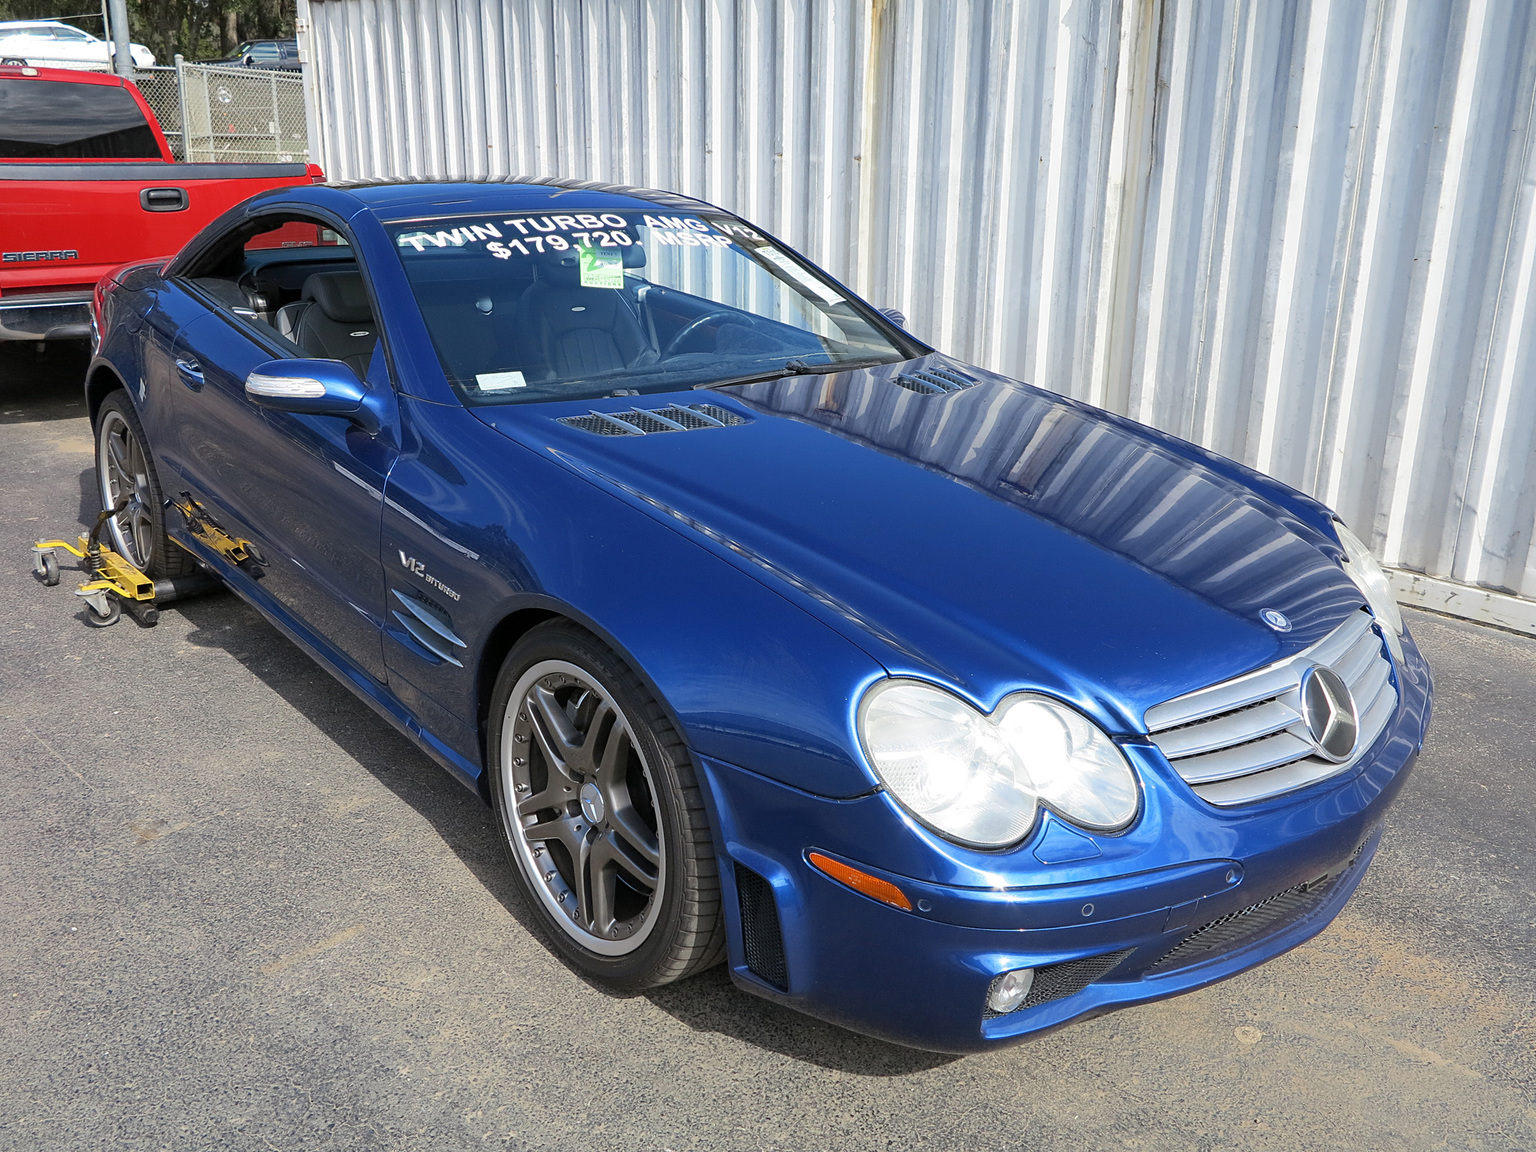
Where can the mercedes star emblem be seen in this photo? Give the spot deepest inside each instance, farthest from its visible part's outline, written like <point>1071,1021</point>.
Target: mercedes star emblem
<point>1276,619</point>
<point>1329,713</point>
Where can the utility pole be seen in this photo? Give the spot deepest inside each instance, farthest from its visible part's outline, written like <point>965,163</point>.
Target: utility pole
<point>122,59</point>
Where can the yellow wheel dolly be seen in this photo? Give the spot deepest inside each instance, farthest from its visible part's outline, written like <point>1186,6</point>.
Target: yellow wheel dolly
<point>114,583</point>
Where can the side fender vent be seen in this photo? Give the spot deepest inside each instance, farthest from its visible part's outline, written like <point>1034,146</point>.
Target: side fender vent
<point>644,422</point>
<point>934,381</point>
<point>761,939</point>
<point>429,628</point>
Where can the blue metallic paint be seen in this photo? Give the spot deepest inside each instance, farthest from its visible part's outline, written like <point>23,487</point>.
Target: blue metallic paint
<point>761,577</point>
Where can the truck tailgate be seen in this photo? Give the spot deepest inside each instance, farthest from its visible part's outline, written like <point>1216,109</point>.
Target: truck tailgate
<point>68,224</point>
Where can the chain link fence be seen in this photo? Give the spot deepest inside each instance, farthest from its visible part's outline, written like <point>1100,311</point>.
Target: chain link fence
<point>241,114</point>
<point>162,92</point>
<point>216,113</point>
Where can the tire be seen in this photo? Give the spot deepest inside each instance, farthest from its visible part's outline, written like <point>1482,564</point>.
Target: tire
<point>15,61</point>
<point>114,614</point>
<point>125,467</point>
<point>50,573</point>
<point>627,806</point>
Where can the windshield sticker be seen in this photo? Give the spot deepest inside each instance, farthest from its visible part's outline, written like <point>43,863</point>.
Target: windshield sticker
<point>500,381</point>
<point>798,274</point>
<point>601,267</point>
<point>452,238</point>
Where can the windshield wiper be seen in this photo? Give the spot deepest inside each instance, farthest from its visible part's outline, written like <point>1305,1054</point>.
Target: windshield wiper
<point>793,368</point>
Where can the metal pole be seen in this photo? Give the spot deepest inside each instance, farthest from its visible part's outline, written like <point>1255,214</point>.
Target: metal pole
<point>122,59</point>
<point>181,95</point>
<point>304,29</point>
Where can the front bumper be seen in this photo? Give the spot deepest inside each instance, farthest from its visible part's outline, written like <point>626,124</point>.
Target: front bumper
<point>1189,895</point>
<point>55,316</point>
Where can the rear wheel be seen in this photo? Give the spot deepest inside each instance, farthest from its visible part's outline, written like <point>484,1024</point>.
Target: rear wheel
<point>125,473</point>
<point>601,814</point>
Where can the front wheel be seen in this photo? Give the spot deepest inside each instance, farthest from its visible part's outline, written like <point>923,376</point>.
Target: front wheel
<point>601,814</point>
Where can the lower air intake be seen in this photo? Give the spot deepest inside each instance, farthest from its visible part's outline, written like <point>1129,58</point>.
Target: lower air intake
<point>1246,925</point>
<point>1057,981</point>
<point>761,939</point>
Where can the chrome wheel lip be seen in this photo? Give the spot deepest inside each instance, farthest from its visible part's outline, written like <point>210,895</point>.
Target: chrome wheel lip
<point>125,473</point>
<point>513,827</point>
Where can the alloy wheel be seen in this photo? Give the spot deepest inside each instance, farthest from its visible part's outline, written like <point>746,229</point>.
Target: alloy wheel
<point>580,809</point>
<point>123,468</point>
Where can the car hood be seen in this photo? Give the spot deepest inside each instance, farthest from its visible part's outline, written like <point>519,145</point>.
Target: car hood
<point>994,538</point>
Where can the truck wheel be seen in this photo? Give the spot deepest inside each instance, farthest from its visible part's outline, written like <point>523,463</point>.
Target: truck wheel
<point>125,470</point>
<point>19,63</point>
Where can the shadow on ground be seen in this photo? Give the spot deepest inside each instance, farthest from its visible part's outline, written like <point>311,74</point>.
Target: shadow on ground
<point>709,1002</point>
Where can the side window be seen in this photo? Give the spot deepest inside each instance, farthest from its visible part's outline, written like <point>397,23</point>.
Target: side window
<point>296,282</point>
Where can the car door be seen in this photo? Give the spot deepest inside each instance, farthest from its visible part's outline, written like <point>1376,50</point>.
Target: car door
<point>305,492</point>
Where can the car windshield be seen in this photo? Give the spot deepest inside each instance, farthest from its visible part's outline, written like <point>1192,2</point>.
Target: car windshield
<point>528,307</point>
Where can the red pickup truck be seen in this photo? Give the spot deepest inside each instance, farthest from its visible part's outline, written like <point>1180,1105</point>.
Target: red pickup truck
<point>87,183</point>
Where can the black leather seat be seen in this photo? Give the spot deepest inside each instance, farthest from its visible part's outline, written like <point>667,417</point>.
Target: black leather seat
<point>332,320</point>
<point>580,331</point>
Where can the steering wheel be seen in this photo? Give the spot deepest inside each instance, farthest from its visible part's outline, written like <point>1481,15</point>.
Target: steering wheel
<point>688,329</point>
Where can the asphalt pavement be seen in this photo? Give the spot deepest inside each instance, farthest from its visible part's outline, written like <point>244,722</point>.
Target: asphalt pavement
<point>239,911</point>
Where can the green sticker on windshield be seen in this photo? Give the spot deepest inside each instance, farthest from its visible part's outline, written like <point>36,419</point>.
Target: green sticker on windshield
<point>601,267</point>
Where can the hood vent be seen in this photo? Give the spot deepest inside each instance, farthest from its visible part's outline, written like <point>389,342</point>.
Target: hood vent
<point>934,381</point>
<point>643,422</point>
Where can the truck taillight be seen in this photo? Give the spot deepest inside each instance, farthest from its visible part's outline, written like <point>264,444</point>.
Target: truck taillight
<point>96,306</point>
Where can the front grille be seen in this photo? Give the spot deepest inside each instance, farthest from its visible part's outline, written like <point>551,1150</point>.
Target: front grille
<point>1247,924</point>
<point>1055,981</point>
<point>1245,739</point>
<point>761,939</point>
<point>644,422</point>
<point>934,381</point>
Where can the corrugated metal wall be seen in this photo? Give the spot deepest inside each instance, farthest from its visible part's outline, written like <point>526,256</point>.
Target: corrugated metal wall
<point>1303,234</point>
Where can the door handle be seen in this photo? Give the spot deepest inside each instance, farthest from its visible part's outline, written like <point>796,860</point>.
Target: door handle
<point>163,199</point>
<point>191,373</point>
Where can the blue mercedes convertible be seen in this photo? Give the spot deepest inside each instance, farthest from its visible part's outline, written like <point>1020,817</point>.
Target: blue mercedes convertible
<point>932,703</point>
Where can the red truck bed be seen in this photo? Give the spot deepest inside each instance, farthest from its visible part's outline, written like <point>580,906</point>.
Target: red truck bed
<point>86,185</point>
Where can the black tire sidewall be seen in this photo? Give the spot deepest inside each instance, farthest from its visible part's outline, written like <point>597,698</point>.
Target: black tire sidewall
<point>638,969</point>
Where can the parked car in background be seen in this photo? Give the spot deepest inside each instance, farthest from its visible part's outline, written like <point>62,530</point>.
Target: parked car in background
<point>933,703</point>
<point>282,55</point>
<point>54,44</point>
<point>87,182</point>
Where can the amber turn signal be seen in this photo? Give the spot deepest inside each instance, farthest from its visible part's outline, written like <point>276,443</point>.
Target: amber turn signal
<point>872,886</point>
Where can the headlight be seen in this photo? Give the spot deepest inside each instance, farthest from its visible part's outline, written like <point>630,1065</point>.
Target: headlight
<point>1361,567</point>
<point>978,779</point>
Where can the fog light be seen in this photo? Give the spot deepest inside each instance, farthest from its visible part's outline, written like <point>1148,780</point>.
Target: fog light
<point>1009,990</point>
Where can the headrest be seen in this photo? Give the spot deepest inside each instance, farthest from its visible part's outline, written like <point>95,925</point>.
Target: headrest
<point>341,296</point>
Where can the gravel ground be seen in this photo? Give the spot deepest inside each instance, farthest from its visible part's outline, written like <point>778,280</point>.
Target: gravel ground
<point>239,911</point>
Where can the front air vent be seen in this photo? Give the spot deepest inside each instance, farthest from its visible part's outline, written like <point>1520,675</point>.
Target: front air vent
<point>1058,981</point>
<point>761,940</point>
<point>934,381</point>
<point>644,422</point>
<point>429,627</point>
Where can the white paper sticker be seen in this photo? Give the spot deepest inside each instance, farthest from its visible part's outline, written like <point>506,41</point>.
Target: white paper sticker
<point>500,381</point>
<point>799,275</point>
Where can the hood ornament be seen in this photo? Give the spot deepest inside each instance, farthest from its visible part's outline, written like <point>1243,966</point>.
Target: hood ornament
<point>1276,619</point>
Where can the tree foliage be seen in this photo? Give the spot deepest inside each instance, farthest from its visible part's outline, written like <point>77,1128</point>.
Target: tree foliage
<point>198,29</point>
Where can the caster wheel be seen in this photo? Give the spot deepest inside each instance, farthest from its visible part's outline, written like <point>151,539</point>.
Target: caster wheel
<point>114,614</point>
<point>47,569</point>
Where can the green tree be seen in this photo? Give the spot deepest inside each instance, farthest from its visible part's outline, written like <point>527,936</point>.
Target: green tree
<point>198,29</point>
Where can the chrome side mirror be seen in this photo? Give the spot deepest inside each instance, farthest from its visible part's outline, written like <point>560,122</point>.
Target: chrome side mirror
<point>897,318</point>
<point>312,387</point>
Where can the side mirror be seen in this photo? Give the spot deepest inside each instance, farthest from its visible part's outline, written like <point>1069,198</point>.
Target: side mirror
<point>312,387</point>
<point>897,318</point>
